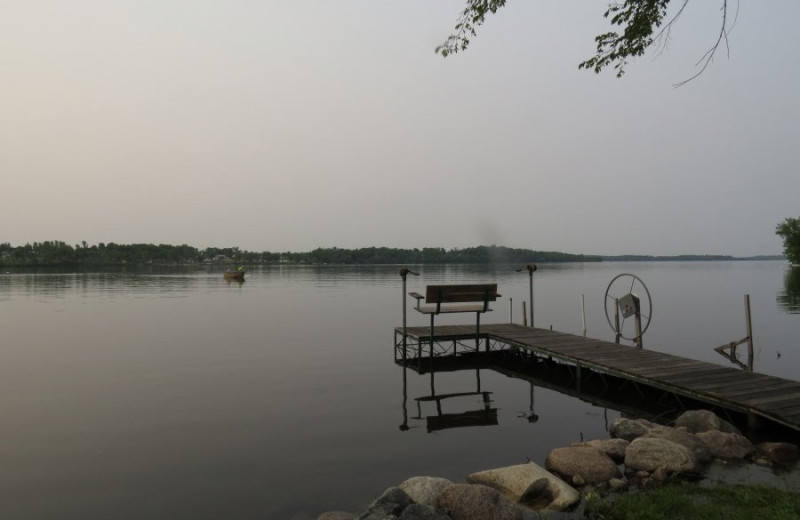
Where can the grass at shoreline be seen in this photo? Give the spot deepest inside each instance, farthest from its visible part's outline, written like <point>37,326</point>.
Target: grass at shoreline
<point>683,500</point>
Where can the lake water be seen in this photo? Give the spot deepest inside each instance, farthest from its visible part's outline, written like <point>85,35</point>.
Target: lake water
<point>173,394</point>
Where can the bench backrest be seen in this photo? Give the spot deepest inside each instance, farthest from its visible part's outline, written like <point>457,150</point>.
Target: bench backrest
<point>440,294</point>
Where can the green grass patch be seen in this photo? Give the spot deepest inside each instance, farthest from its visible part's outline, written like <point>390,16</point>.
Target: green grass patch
<point>683,500</point>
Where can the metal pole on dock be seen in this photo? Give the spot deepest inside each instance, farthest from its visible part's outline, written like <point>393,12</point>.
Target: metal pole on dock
<point>531,268</point>
<point>404,271</point>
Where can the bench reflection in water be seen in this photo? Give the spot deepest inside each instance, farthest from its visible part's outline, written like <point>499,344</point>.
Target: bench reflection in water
<point>485,415</point>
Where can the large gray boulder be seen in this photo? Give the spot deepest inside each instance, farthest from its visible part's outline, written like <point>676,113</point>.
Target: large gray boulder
<point>582,463</point>
<point>652,453</point>
<point>477,502</point>
<point>529,484</point>
<point>391,503</point>
<point>630,429</point>
<point>688,440</point>
<point>697,421</point>
<point>614,448</point>
<point>727,445</point>
<point>424,490</point>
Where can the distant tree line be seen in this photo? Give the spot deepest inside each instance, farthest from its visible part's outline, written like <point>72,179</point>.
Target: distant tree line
<point>431,255</point>
<point>676,258</point>
<point>57,253</point>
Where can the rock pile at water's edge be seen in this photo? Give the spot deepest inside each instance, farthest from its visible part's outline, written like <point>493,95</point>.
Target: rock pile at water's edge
<point>639,453</point>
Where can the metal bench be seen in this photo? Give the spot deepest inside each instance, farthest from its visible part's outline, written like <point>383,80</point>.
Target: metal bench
<point>449,299</point>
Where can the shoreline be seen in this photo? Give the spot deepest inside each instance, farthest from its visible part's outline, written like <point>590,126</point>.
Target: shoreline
<point>639,455</point>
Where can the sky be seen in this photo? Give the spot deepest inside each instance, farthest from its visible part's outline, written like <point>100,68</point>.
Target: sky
<point>291,125</point>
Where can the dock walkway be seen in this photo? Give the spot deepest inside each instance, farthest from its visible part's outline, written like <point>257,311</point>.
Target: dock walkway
<point>750,393</point>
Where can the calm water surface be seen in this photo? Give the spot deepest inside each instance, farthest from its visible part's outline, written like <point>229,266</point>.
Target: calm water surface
<point>177,395</point>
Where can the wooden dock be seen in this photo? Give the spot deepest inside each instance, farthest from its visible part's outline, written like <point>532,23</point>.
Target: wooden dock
<point>755,395</point>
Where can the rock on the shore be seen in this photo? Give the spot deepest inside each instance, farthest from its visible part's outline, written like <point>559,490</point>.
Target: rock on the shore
<point>616,483</point>
<point>698,421</point>
<point>778,452</point>
<point>614,448</point>
<point>392,502</point>
<point>688,440</point>
<point>424,490</point>
<point>590,464</point>
<point>529,484</point>
<point>630,429</point>
<point>651,453</point>
<point>727,445</point>
<point>477,502</point>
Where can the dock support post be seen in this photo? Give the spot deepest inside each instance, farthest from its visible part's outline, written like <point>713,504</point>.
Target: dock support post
<point>639,340</point>
<point>749,333</point>
<point>754,422</point>
<point>729,350</point>
<point>531,268</point>
<point>583,314</point>
<point>617,333</point>
<point>524,315</point>
<point>530,284</point>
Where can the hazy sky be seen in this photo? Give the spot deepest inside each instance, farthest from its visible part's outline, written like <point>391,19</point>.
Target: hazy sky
<point>316,123</point>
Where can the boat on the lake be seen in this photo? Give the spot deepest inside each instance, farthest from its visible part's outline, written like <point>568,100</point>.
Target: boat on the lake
<point>235,275</point>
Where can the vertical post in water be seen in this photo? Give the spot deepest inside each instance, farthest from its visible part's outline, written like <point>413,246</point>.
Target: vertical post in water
<point>617,332</point>
<point>749,333</point>
<point>583,313</point>
<point>531,268</point>
<point>524,315</point>
<point>511,310</point>
<point>638,321</point>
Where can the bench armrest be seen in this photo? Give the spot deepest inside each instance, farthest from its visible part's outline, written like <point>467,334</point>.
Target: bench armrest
<point>418,297</point>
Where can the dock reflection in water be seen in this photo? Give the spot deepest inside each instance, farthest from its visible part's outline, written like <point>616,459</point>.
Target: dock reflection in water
<point>484,415</point>
<point>607,393</point>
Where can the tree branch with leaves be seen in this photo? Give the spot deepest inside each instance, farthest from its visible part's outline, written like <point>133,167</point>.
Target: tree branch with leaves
<point>640,24</point>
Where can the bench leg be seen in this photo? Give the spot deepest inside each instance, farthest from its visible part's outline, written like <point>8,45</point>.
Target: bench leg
<point>432,315</point>
<point>477,332</point>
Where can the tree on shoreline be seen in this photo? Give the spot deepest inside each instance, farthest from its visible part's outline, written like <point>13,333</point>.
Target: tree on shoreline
<point>642,24</point>
<point>789,230</point>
